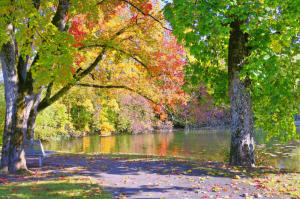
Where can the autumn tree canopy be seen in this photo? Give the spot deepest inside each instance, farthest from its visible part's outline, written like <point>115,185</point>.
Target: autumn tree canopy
<point>55,45</point>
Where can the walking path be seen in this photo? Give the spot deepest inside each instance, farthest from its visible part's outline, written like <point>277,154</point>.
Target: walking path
<point>148,178</point>
<point>159,178</point>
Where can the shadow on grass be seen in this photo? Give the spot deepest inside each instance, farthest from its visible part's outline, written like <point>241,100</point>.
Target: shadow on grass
<point>53,188</point>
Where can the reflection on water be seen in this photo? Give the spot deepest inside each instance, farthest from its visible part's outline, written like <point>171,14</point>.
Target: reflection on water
<point>204,144</point>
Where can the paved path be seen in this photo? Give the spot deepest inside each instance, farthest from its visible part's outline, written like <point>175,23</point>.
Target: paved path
<point>157,179</point>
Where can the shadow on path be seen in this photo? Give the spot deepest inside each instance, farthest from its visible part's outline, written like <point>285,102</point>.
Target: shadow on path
<point>149,178</point>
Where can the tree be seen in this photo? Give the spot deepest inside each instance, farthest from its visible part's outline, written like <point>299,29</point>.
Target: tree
<point>251,45</point>
<point>199,111</point>
<point>41,48</point>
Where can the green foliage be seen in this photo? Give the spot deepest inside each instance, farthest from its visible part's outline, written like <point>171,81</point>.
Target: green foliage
<point>106,111</point>
<point>81,117</point>
<point>52,122</point>
<point>109,114</point>
<point>56,52</point>
<point>73,115</point>
<point>273,29</point>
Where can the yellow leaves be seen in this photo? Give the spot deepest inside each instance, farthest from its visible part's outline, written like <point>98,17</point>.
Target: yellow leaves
<point>274,117</point>
<point>102,117</point>
<point>278,43</point>
<point>236,177</point>
<point>113,104</point>
<point>276,46</point>
<point>216,189</point>
<point>87,103</point>
<point>187,30</point>
<point>109,104</point>
<point>106,128</point>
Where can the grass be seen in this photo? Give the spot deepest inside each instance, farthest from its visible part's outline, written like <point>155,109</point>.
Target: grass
<point>60,187</point>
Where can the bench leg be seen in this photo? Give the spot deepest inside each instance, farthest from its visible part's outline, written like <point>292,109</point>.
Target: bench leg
<point>40,161</point>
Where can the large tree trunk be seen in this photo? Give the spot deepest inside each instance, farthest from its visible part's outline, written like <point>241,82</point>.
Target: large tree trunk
<point>7,56</point>
<point>242,142</point>
<point>17,160</point>
<point>18,105</point>
<point>21,102</point>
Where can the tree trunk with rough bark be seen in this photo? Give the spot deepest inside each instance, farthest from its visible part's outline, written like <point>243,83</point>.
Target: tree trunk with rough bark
<point>17,160</point>
<point>13,156</point>
<point>242,142</point>
<point>7,56</point>
<point>21,101</point>
<point>32,116</point>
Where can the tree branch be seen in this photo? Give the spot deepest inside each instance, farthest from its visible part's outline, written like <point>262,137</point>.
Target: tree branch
<point>145,14</point>
<point>141,11</point>
<point>47,102</point>
<point>59,19</point>
<point>99,3</point>
<point>122,51</point>
<point>77,77</point>
<point>48,92</point>
<point>118,87</point>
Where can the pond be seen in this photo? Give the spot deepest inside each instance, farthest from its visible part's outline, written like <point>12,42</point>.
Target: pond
<point>203,144</point>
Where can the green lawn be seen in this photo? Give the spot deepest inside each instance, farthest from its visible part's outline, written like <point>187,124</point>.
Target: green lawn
<point>59,187</point>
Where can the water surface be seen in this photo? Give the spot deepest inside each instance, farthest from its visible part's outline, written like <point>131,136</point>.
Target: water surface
<point>204,144</point>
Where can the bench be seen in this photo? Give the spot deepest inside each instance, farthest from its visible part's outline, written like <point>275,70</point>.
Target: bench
<point>35,148</point>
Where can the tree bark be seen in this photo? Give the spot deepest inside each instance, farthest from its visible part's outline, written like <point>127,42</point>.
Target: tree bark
<point>32,116</point>
<point>17,160</point>
<point>21,102</point>
<point>18,104</point>
<point>7,56</point>
<point>242,142</point>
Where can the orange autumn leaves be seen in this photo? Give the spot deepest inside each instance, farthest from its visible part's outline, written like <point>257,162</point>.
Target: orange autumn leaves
<point>140,53</point>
